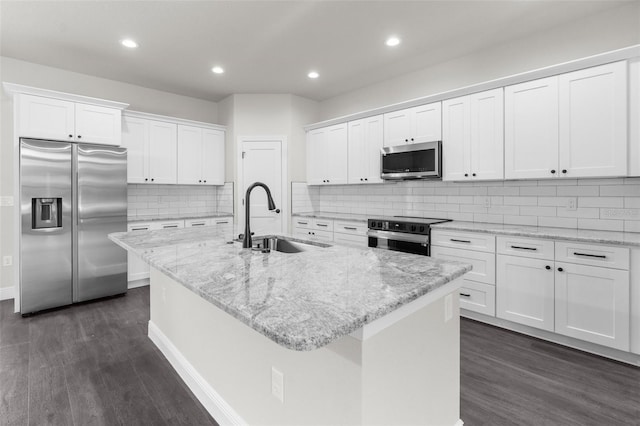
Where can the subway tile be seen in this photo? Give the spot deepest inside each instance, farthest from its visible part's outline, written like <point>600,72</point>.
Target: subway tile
<point>556,181</point>
<point>609,181</point>
<point>459,199</point>
<point>473,208</point>
<point>549,211</point>
<point>620,214</point>
<point>629,190</point>
<point>558,222</point>
<point>447,191</point>
<point>520,183</point>
<point>506,210</point>
<point>575,190</point>
<point>503,190</point>
<point>520,201</point>
<point>521,220</point>
<point>423,191</point>
<point>600,224</point>
<point>448,207</point>
<point>586,212</point>
<point>488,218</point>
<point>538,190</point>
<point>473,190</point>
<point>466,217</point>
<point>600,201</point>
<point>631,226</point>
<point>632,202</point>
<point>553,201</point>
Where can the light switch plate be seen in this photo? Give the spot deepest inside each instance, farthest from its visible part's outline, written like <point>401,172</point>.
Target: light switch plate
<point>572,204</point>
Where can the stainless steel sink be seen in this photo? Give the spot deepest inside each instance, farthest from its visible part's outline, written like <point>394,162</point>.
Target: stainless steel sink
<point>285,244</point>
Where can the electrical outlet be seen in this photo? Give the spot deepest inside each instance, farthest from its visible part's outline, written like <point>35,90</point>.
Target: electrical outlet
<point>487,202</point>
<point>7,260</point>
<point>572,204</point>
<point>277,384</point>
<point>6,201</point>
<point>448,307</point>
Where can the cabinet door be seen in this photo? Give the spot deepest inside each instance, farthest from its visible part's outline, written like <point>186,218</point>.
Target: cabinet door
<point>397,127</point>
<point>365,141</point>
<point>592,304</point>
<point>46,118</point>
<point>456,139</point>
<point>213,157</point>
<point>487,135</point>
<point>335,154</point>
<point>98,124</point>
<point>137,269</point>
<point>531,129</point>
<point>426,123</point>
<point>162,152</point>
<point>593,121</point>
<point>315,156</point>
<point>189,155</point>
<point>525,291</point>
<point>135,137</point>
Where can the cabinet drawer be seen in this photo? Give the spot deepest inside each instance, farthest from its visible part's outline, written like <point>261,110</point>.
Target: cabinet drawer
<point>478,297</point>
<point>351,239</point>
<point>593,255</point>
<point>313,234</point>
<point>354,228</point>
<point>323,225</point>
<point>484,264</point>
<point>466,240</point>
<point>301,222</point>
<point>526,247</point>
<point>139,227</point>
<point>190,223</point>
<point>174,224</point>
<point>222,221</point>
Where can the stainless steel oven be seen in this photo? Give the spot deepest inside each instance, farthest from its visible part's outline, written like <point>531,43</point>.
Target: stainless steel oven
<point>405,234</point>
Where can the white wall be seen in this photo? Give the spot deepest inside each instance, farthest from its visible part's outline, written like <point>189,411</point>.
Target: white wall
<point>613,29</point>
<point>31,74</point>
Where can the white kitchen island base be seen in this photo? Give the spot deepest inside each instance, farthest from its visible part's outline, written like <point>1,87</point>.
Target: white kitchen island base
<point>407,372</point>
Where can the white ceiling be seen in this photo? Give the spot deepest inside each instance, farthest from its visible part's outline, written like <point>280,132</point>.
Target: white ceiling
<point>266,46</point>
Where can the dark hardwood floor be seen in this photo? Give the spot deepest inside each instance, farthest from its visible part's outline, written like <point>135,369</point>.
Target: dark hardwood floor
<point>92,364</point>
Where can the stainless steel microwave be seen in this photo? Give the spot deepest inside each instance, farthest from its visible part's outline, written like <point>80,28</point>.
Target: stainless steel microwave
<point>412,161</point>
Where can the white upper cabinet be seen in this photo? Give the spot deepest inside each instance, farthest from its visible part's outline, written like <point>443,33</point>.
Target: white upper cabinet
<point>200,156</point>
<point>413,125</point>
<point>473,136</point>
<point>572,125</point>
<point>365,142</point>
<point>327,150</point>
<point>151,151</point>
<point>593,121</point>
<point>56,119</point>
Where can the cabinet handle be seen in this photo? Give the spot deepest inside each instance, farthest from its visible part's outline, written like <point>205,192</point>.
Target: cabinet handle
<point>303,223</point>
<point>322,224</point>
<point>599,256</point>
<point>547,267</point>
<point>139,229</point>
<point>553,172</point>
<point>220,223</point>
<point>465,295</point>
<point>460,241</point>
<point>524,248</point>
<point>197,224</point>
<point>560,269</point>
<point>169,226</point>
<point>366,179</point>
<point>350,228</point>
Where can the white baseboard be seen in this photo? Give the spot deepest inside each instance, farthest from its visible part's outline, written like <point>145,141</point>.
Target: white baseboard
<point>219,409</point>
<point>138,283</point>
<point>6,293</point>
<point>459,423</point>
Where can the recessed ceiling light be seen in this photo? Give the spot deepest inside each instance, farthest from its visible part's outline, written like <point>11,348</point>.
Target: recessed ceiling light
<point>127,42</point>
<point>392,41</point>
<point>313,74</point>
<point>217,70</point>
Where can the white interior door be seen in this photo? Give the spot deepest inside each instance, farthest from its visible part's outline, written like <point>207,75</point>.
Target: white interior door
<point>262,162</point>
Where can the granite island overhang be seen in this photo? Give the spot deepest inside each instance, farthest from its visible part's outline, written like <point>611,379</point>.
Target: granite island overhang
<point>372,333</point>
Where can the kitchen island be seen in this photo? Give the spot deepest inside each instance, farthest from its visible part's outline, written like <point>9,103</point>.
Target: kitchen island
<point>329,335</point>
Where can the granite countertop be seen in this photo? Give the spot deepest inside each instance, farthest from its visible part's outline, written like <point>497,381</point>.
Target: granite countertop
<point>301,301</point>
<point>581,235</point>
<point>174,217</point>
<point>352,217</point>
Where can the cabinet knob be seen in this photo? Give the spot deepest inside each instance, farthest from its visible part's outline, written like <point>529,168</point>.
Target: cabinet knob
<point>152,179</point>
<point>564,170</point>
<point>406,140</point>
<point>411,139</point>
<point>560,269</point>
<point>70,136</point>
<point>146,179</point>
<point>360,179</point>
<point>547,267</point>
<point>466,175</point>
<point>366,179</point>
<point>200,181</point>
<point>473,174</point>
<point>553,172</point>
<point>205,181</point>
<point>79,136</point>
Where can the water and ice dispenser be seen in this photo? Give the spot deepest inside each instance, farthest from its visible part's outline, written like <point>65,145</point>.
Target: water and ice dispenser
<point>46,213</point>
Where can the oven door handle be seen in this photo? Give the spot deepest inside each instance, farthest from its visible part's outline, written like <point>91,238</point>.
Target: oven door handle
<point>398,236</point>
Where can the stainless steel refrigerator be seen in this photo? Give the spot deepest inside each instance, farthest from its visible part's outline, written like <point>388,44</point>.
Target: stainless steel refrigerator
<point>71,197</point>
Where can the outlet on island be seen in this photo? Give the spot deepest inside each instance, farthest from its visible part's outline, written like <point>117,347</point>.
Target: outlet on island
<point>277,384</point>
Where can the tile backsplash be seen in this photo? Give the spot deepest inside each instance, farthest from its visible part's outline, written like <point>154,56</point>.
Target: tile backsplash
<point>151,201</point>
<point>603,204</point>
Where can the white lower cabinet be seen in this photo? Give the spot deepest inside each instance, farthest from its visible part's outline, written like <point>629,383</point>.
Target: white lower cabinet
<point>326,230</point>
<point>137,269</point>
<point>478,297</point>
<point>350,234</point>
<point>525,291</point>
<point>592,304</point>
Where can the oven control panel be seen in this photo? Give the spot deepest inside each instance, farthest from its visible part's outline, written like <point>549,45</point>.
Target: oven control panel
<point>399,226</point>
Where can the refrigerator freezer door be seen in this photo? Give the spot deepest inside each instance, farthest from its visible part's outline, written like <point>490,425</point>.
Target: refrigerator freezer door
<point>102,209</point>
<point>46,249</point>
